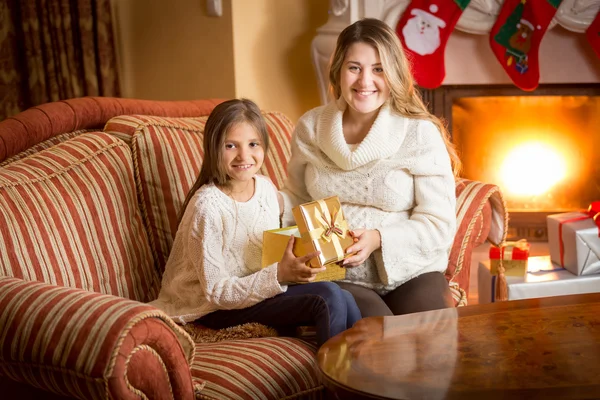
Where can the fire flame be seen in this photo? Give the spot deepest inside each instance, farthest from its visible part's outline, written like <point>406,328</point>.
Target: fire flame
<point>532,169</point>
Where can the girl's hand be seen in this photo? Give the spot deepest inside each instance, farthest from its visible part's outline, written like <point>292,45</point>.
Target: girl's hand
<point>368,241</point>
<point>294,269</point>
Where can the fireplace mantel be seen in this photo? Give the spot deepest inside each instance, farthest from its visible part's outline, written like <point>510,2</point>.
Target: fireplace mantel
<point>565,56</point>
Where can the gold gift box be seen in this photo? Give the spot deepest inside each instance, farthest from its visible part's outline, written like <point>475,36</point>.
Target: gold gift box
<point>275,242</point>
<point>323,228</point>
<point>511,267</point>
<point>514,257</point>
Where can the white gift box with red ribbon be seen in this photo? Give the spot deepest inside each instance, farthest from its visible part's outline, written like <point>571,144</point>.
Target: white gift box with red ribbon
<point>574,242</point>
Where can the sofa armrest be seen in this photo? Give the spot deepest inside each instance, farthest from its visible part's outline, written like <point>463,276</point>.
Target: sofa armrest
<point>481,216</point>
<point>90,346</point>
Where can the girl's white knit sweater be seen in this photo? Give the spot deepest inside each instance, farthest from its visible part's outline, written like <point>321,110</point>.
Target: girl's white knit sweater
<point>215,260</point>
<point>398,180</point>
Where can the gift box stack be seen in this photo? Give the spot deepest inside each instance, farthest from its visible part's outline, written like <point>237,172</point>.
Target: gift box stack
<point>572,267</point>
<point>321,226</point>
<point>543,279</point>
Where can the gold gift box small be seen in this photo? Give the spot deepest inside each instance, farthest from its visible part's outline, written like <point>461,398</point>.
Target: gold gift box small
<point>514,257</point>
<point>323,228</point>
<point>275,242</point>
<point>511,267</point>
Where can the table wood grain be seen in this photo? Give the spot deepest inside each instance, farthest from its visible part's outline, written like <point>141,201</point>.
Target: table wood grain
<point>534,349</point>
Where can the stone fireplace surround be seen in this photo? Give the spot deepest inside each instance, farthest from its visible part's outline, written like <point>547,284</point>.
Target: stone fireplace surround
<point>568,65</point>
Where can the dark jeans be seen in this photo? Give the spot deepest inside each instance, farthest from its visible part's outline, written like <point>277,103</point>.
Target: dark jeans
<point>426,292</point>
<point>323,304</point>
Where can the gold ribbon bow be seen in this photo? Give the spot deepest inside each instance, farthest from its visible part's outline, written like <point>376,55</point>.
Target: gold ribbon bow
<point>331,224</point>
<point>333,227</point>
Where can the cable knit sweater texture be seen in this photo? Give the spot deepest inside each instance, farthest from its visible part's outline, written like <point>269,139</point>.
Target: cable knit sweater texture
<point>398,180</point>
<point>215,260</point>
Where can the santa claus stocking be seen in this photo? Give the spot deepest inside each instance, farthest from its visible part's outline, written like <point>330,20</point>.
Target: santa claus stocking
<point>424,29</point>
<point>516,36</point>
<point>593,34</point>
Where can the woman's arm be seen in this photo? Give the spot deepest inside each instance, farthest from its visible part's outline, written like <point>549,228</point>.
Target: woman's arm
<point>426,237</point>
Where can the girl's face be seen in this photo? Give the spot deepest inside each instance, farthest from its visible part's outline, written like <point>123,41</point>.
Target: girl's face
<point>243,153</point>
<point>362,81</point>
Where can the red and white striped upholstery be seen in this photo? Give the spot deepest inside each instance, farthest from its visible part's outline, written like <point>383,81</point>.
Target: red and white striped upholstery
<point>81,344</point>
<point>480,216</point>
<point>167,156</point>
<point>69,215</point>
<point>264,368</point>
<point>46,144</point>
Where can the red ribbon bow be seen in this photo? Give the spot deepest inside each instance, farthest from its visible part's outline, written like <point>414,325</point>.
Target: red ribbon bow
<point>593,212</point>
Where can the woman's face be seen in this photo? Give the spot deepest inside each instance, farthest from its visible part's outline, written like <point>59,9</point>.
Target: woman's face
<point>362,80</point>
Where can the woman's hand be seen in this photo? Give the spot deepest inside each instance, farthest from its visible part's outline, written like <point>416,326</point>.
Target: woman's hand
<point>368,241</point>
<point>294,269</point>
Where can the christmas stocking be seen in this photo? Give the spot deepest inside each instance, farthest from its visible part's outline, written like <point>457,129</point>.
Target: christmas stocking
<point>516,36</point>
<point>593,34</point>
<point>424,29</point>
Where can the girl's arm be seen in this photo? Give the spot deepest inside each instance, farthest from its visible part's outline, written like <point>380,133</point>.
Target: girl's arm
<point>220,283</point>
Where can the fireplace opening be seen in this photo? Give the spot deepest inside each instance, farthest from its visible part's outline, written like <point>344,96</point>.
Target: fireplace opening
<point>540,147</point>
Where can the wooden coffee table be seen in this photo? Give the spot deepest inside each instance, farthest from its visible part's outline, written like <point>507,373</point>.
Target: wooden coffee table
<point>533,349</point>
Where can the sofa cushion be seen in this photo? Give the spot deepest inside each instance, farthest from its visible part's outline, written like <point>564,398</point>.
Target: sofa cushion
<point>46,144</point>
<point>167,156</point>
<point>265,368</point>
<point>69,217</point>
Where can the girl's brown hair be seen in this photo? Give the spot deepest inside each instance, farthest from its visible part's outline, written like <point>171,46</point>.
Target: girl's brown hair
<point>222,118</point>
<point>404,99</point>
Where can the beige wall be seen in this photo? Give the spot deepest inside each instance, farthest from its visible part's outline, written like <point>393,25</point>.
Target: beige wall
<point>260,49</point>
<point>272,53</point>
<point>172,50</point>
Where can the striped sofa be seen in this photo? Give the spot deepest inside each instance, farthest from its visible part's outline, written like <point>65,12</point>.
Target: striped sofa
<point>89,193</point>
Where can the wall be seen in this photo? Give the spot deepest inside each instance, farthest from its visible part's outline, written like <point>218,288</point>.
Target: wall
<point>259,49</point>
<point>173,50</point>
<point>272,52</point>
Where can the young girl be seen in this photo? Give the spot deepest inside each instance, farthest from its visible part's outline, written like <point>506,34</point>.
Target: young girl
<point>213,273</point>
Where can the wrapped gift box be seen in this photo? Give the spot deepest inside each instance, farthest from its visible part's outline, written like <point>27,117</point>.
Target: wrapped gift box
<point>514,256</point>
<point>275,242</point>
<point>574,242</point>
<point>543,279</point>
<point>323,228</point>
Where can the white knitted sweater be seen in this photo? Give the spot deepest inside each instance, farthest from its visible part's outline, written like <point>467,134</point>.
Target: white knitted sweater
<point>398,180</point>
<point>215,260</point>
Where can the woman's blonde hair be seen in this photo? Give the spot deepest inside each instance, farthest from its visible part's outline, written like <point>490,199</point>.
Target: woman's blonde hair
<point>404,99</point>
<point>220,121</point>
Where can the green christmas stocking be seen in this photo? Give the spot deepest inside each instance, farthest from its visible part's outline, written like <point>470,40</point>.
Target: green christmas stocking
<point>516,36</point>
<point>424,29</point>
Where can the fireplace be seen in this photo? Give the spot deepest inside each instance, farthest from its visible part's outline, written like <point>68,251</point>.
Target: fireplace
<point>539,147</point>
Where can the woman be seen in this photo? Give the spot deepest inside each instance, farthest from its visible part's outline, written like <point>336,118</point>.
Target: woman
<point>391,164</point>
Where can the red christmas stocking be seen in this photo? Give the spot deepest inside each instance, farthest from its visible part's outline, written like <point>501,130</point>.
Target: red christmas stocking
<point>424,29</point>
<point>593,34</point>
<point>516,36</point>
